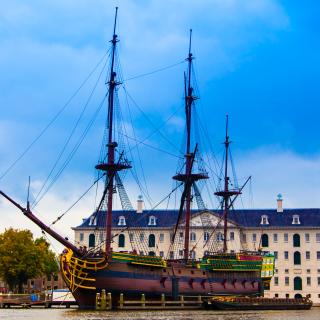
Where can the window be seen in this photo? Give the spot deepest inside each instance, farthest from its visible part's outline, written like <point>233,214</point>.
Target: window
<point>276,281</point>
<point>276,295</point>
<point>286,281</point>
<point>92,240</point>
<point>264,240</point>
<point>318,237</point>
<point>275,237</point>
<point>318,255</point>
<point>122,221</point>
<point>219,236</point>
<point>285,237</point>
<point>275,255</point>
<point>93,220</point>
<point>307,237</point>
<point>287,295</point>
<point>308,270</point>
<point>308,255</point>
<point>192,236</point>
<point>297,258</point>
<point>297,283</point>
<point>206,236</point>
<point>264,219</point>
<point>121,242</point>
<point>151,253</point>
<point>244,237</point>
<point>152,221</point>
<point>286,255</point>
<point>81,237</point>
<point>192,254</point>
<point>55,277</point>
<point>286,270</point>
<point>308,281</point>
<point>254,237</point>
<point>141,237</point>
<point>161,237</point>
<point>318,270</point>
<point>295,219</point>
<point>181,253</point>
<point>49,277</point>
<point>180,236</point>
<point>171,255</point>
<point>275,270</point>
<point>131,237</point>
<point>296,240</point>
<point>152,240</point>
<point>318,281</point>
<point>231,235</point>
<point>161,253</point>
<point>141,253</point>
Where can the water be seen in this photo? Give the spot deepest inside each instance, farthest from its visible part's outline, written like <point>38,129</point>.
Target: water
<point>63,314</point>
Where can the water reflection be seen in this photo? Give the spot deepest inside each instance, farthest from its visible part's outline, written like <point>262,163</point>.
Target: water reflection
<point>62,314</point>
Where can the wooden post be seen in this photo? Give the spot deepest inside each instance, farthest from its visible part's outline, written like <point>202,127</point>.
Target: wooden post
<point>103,300</point>
<point>109,301</point>
<point>121,301</point>
<point>181,301</point>
<point>199,300</point>
<point>98,301</point>
<point>143,301</point>
<point>163,300</point>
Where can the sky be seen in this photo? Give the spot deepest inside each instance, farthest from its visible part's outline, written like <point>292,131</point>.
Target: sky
<point>257,61</point>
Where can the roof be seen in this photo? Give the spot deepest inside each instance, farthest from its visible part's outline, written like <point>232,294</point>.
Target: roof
<point>245,218</point>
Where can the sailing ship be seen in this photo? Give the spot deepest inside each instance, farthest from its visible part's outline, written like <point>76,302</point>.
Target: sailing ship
<point>216,273</point>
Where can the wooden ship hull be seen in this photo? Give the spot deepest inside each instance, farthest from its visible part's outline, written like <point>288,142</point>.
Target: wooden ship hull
<point>134,275</point>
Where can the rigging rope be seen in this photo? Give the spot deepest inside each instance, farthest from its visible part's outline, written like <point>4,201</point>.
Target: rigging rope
<point>56,116</point>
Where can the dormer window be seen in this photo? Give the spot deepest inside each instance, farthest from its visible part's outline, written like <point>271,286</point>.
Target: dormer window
<point>264,219</point>
<point>122,221</point>
<point>295,219</point>
<point>152,221</point>
<point>93,220</point>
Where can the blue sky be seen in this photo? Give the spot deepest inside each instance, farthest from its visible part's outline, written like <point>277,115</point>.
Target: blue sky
<point>256,60</point>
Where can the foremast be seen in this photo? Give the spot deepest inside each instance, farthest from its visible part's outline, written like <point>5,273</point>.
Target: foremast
<point>188,177</point>
<point>111,167</point>
<point>226,193</point>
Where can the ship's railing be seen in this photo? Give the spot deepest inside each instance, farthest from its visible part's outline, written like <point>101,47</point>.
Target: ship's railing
<point>131,258</point>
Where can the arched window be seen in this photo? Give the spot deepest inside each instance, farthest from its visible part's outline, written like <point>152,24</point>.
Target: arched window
<point>264,219</point>
<point>122,221</point>
<point>93,220</point>
<point>92,240</point>
<point>297,257</point>
<point>206,236</point>
<point>295,219</point>
<point>297,283</point>
<point>192,254</point>
<point>219,236</point>
<point>151,253</point>
<point>152,221</point>
<point>152,240</point>
<point>192,236</point>
<point>122,241</point>
<point>265,240</point>
<point>296,240</point>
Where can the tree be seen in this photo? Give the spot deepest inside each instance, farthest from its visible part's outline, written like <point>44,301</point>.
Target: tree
<point>23,258</point>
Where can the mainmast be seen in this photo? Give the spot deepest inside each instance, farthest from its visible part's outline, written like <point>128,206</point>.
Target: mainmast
<point>111,167</point>
<point>226,194</point>
<point>188,177</point>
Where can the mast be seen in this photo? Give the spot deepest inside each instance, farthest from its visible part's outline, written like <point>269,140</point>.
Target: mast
<point>188,177</point>
<point>111,167</point>
<point>226,194</point>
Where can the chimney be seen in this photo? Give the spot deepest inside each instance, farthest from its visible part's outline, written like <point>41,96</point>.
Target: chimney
<point>140,204</point>
<point>279,203</point>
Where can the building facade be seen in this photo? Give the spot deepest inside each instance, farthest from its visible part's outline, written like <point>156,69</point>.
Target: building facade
<point>292,234</point>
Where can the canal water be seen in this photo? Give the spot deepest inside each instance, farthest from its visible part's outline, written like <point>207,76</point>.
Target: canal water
<point>73,314</point>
